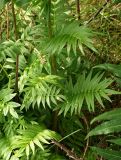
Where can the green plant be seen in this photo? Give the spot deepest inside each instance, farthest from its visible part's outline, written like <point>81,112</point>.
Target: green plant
<point>110,125</point>
<point>51,81</point>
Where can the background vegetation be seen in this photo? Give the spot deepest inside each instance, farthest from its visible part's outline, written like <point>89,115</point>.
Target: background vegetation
<point>60,79</point>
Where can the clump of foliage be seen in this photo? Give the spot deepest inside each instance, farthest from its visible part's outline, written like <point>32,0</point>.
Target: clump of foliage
<point>60,69</point>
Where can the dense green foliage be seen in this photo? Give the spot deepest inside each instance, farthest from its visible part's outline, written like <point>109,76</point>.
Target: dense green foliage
<point>60,79</point>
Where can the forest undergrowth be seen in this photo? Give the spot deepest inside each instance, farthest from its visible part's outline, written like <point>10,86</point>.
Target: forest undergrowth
<point>60,80</point>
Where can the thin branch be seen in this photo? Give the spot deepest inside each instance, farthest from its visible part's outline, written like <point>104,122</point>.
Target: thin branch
<point>98,12</point>
<point>1,28</point>
<point>86,148</point>
<point>1,24</point>
<point>68,152</point>
<point>7,21</point>
<point>78,8</point>
<point>87,142</point>
<point>14,21</point>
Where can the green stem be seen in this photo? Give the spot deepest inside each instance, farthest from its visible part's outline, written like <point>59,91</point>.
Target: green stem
<point>53,63</point>
<point>49,19</point>
<point>69,135</point>
<point>52,58</point>
<point>72,133</point>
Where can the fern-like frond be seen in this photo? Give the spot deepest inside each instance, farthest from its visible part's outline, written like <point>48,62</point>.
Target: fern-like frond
<point>108,154</point>
<point>71,36</point>
<point>39,88</point>
<point>87,89</point>
<point>40,91</point>
<point>114,68</point>
<point>27,142</point>
<point>41,155</point>
<point>46,155</point>
<point>5,148</point>
<point>6,103</point>
<point>10,50</point>
<point>59,14</point>
<point>112,124</point>
<point>34,135</point>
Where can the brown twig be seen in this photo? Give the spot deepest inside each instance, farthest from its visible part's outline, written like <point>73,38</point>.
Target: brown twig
<point>14,20</point>
<point>96,14</point>
<point>78,8</point>
<point>1,29</point>
<point>7,21</point>
<point>1,24</point>
<point>68,152</point>
<point>87,127</point>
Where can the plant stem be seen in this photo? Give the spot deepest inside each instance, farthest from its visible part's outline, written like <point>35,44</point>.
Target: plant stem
<point>1,25</point>
<point>52,58</point>
<point>67,136</point>
<point>7,23</point>
<point>14,21</point>
<point>87,142</point>
<point>16,38</point>
<point>53,64</point>
<point>68,152</point>
<point>49,20</point>
<point>78,8</point>
<point>0,29</point>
